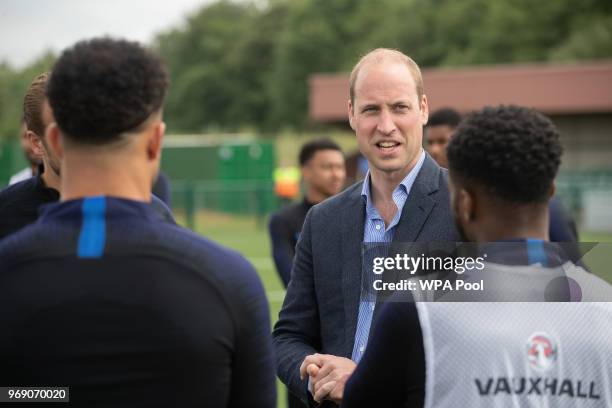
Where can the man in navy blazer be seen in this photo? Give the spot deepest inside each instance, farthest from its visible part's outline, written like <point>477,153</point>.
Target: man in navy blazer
<point>324,323</point>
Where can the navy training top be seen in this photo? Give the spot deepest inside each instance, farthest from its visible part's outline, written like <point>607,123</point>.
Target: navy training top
<point>127,310</point>
<point>285,227</point>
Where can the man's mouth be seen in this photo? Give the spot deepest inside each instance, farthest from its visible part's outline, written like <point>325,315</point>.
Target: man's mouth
<point>387,145</point>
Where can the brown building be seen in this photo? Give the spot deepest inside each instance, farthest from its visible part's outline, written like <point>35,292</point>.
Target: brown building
<point>577,97</point>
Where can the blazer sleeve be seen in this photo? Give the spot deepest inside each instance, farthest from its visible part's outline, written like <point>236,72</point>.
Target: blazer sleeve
<point>297,332</point>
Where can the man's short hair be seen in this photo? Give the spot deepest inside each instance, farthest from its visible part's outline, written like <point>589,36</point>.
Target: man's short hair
<point>103,87</point>
<point>444,117</point>
<point>379,55</point>
<point>309,149</point>
<point>514,152</point>
<point>33,102</point>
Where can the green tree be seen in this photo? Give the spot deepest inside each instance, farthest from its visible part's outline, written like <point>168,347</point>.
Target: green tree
<point>200,60</point>
<point>239,65</point>
<point>591,38</point>
<point>316,38</point>
<point>13,85</point>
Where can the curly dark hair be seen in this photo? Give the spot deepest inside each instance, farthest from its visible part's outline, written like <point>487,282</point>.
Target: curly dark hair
<point>102,87</point>
<point>513,151</point>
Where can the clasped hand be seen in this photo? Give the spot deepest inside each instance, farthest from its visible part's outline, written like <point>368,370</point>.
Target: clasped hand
<point>328,375</point>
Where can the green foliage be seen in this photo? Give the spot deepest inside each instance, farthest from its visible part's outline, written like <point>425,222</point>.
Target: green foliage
<point>590,39</point>
<point>203,65</point>
<point>239,65</point>
<point>13,84</point>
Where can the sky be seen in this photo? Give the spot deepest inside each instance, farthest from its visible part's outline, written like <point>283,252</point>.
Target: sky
<point>28,28</point>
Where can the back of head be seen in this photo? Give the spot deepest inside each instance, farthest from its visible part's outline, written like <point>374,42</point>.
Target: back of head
<point>33,104</point>
<point>512,152</point>
<point>103,88</point>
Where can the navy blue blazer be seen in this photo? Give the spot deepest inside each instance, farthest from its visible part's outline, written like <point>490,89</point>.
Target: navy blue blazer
<point>319,314</point>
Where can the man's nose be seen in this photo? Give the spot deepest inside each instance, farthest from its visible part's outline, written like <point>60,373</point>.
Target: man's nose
<point>338,173</point>
<point>386,125</point>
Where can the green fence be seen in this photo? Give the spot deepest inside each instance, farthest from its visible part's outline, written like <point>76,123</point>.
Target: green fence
<point>246,197</point>
<point>231,177</point>
<point>573,185</point>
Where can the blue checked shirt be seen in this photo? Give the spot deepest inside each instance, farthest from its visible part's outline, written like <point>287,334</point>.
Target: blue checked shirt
<point>375,231</point>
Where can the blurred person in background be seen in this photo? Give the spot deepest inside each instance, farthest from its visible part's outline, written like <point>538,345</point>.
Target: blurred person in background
<point>501,354</point>
<point>324,323</point>
<point>162,190</point>
<point>323,174</point>
<point>32,158</point>
<point>106,298</point>
<point>20,202</point>
<point>439,131</point>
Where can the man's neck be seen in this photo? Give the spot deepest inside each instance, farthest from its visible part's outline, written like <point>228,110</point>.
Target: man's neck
<point>51,179</point>
<point>99,176</point>
<point>314,196</point>
<point>382,185</point>
<point>514,233</point>
<point>514,226</point>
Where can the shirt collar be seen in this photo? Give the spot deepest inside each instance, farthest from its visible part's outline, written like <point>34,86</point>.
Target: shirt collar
<point>406,183</point>
<point>524,251</point>
<point>119,208</point>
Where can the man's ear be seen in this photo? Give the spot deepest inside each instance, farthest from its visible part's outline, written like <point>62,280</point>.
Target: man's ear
<point>156,139</point>
<point>424,110</point>
<point>35,142</point>
<point>56,140</point>
<point>552,189</point>
<point>467,205</point>
<point>351,114</point>
<point>306,172</point>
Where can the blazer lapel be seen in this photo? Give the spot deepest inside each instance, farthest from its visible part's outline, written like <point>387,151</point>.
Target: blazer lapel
<point>352,242</point>
<point>417,208</point>
<point>419,203</point>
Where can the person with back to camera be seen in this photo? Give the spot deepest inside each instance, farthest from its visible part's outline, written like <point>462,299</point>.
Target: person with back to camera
<point>502,165</point>
<point>106,298</point>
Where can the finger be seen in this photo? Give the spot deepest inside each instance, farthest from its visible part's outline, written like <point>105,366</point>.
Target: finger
<point>337,392</point>
<point>312,370</point>
<point>324,391</point>
<point>324,372</point>
<point>311,359</point>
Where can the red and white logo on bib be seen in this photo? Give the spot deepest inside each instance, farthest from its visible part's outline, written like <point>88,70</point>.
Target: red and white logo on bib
<point>541,351</point>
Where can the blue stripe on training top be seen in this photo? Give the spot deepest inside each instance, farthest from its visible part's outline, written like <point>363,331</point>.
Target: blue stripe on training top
<point>536,253</point>
<point>93,230</point>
